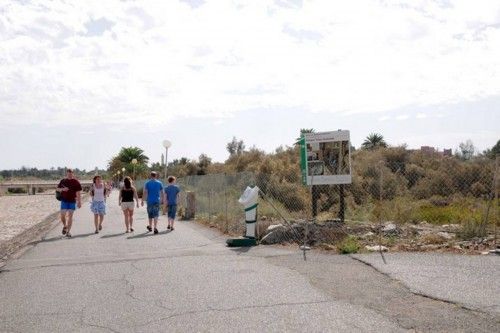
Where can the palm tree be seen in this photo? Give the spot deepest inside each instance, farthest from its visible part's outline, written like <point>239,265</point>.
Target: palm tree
<point>373,141</point>
<point>124,160</point>
<point>303,131</point>
<point>127,154</point>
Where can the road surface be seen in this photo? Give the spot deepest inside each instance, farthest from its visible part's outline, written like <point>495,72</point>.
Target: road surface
<point>187,280</point>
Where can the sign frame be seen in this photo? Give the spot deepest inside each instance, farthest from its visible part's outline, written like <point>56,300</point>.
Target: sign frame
<point>325,158</point>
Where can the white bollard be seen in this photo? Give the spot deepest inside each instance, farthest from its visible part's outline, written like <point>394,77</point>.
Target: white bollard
<point>249,199</point>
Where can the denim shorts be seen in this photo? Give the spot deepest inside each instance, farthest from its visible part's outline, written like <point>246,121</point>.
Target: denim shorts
<point>68,205</point>
<point>153,210</point>
<point>98,207</point>
<point>172,209</point>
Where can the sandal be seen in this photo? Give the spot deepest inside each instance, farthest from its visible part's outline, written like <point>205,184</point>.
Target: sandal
<point>131,230</point>
<point>64,231</point>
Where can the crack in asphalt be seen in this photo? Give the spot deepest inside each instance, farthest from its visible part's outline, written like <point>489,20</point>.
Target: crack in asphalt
<point>43,314</point>
<point>117,261</point>
<point>128,283</point>
<point>417,293</point>
<point>210,309</point>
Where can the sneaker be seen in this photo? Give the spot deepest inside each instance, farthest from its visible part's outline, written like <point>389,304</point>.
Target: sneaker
<point>148,227</point>
<point>64,231</point>
<point>156,231</point>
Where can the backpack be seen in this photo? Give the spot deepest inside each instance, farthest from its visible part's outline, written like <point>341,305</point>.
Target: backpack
<point>59,194</point>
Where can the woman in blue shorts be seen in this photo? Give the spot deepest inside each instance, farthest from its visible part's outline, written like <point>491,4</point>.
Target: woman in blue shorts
<point>98,204</point>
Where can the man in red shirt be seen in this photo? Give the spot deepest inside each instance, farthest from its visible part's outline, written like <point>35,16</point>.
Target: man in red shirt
<point>70,189</point>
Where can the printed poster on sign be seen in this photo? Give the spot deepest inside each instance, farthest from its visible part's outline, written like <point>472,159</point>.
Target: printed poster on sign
<point>326,158</point>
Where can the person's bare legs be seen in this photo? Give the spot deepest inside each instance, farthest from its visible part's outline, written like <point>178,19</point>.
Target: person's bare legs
<point>69,222</point>
<point>96,223</point>
<point>150,226</point>
<point>125,218</point>
<point>131,219</point>
<point>101,219</point>
<point>63,221</point>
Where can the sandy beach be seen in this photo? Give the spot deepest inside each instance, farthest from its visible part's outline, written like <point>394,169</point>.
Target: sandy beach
<point>19,213</point>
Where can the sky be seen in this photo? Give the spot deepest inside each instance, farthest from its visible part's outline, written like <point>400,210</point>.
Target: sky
<point>81,79</point>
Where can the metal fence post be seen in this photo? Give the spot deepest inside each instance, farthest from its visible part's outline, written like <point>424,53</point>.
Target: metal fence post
<point>495,220</point>
<point>381,187</point>
<point>225,202</point>
<point>341,203</point>
<point>314,198</point>
<point>210,207</point>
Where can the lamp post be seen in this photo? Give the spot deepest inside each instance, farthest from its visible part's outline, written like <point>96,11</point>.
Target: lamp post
<point>167,144</point>
<point>134,162</point>
<point>123,172</point>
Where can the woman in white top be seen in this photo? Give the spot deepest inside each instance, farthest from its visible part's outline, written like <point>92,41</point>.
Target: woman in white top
<point>98,204</point>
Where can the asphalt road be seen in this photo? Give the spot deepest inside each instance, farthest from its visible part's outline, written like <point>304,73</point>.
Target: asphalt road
<point>469,281</point>
<point>187,280</point>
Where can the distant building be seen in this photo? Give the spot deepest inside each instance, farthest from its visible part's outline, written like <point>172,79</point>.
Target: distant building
<point>431,150</point>
<point>447,152</point>
<point>427,150</point>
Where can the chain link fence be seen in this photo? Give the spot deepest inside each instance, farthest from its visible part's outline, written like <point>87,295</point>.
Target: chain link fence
<point>427,199</point>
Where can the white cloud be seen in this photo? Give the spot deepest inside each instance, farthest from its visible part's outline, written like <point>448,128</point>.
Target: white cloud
<point>150,62</point>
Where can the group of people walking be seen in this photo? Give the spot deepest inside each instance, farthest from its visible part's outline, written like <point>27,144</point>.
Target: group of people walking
<point>154,193</point>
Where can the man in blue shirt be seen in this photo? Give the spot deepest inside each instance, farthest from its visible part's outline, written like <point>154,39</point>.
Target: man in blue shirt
<point>171,193</point>
<point>153,193</point>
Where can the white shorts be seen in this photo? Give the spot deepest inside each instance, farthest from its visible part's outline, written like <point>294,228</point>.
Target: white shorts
<point>128,205</point>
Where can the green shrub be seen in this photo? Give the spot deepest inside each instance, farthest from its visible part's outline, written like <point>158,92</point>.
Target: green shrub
<point>348,245</point>
<point>400,210</point>
<point>471,229</point>
<point>457,212</point>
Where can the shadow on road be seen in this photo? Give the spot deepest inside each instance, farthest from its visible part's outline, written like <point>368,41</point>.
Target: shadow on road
<point>46,240</point>
<point>113,235</point>
<point>148,234</point>
<point>82,235</point>
<point>241,250</point>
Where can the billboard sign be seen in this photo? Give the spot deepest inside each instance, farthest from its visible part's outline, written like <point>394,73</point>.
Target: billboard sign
<point>326,158</point>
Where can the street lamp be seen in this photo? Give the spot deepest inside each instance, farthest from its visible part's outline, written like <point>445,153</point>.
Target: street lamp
<point>134,162</point>
<point>123,172</point>
<point>167,144</point>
